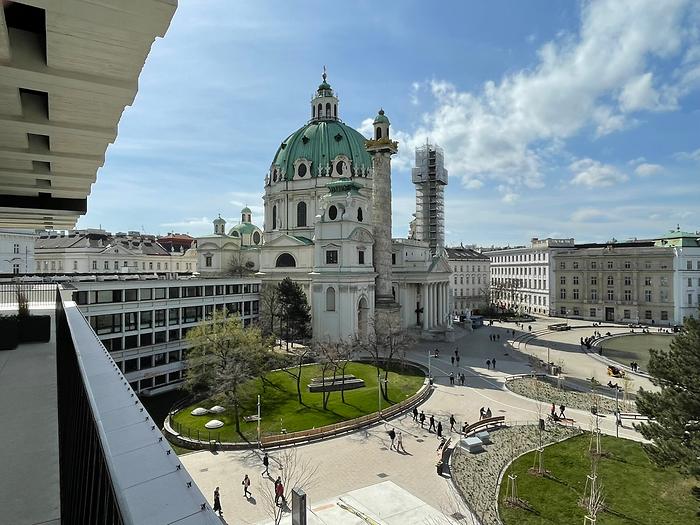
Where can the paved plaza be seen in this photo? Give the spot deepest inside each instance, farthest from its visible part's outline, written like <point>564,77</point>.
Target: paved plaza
<point>363,458</point>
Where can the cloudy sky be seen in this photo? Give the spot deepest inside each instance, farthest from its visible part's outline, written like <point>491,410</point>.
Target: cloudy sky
<point>568,119</point>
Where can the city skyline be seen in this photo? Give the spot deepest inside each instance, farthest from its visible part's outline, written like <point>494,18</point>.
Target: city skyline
<point>566,122</point>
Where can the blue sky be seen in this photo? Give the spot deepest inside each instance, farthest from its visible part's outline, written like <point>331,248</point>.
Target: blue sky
<point>571,119</point>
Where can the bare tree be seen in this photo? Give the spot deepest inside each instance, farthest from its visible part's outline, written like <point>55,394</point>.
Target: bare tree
<point>239,266</point>
<point>334,359</point>
<point>386,345</point>
<point>270,310</point>
<point>300,355</point>
<point>295,472</point>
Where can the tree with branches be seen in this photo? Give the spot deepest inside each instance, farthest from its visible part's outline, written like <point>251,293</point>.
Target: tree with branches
<point>239,265</point>
<point>299,355</point>
<point>223,356</point>
<point>674,410</point>
<point>270,310</point>
<point>296,472</point>
<point>294,311</point>
<point>386,344</point>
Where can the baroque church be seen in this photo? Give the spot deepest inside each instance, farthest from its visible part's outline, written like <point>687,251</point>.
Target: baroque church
<point>327,225</point>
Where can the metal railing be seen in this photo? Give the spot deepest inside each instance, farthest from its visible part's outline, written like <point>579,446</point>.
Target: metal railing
<point>36,294</point>
<point>115,466</point>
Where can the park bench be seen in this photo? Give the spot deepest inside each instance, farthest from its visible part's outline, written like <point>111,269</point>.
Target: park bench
<point>495,421</point>
<point>632,415</point>
<point>250,419</point>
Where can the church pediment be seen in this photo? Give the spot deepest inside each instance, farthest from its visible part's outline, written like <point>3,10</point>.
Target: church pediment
<point>362,235</point>
<point>288,240</point>
<point>440,265</point>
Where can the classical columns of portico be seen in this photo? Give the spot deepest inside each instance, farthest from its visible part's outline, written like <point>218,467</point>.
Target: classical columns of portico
<point>435,303</point>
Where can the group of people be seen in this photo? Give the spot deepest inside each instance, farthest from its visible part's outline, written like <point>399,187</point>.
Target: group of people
<point>485,413</point>
<point>491,363</point>
<point>634,366</point>
<point>553,412</point>
<point>434,425</point>
<point>460,377</point>
<point>495,337</point>
<point>397,439</point>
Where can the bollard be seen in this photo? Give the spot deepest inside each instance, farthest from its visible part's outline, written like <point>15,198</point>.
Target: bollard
<point>298,506</point>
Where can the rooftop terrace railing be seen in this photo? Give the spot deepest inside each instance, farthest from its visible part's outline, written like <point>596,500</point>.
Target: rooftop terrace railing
<point>116,468</point>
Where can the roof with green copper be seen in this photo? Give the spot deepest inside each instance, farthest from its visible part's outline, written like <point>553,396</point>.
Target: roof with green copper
<point>381,118</point>
<point>246,210</point>
<point>244,228</point>
<point>321,142</point>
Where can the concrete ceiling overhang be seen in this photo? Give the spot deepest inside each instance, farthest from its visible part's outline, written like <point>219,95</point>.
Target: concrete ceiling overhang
<point>68,68</point>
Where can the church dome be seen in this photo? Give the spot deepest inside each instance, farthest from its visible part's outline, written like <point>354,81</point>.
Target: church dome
<point>320,143</point>
<point>323,147</point>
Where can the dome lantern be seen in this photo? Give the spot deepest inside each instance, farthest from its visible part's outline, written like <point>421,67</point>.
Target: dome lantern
<point>381,126</point>
<point>246,214</point>
<point>324,105</point>
<point>219,226</point>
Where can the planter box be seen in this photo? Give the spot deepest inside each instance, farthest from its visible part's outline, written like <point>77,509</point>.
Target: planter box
<point>9,332</point>
<point>35,329</point>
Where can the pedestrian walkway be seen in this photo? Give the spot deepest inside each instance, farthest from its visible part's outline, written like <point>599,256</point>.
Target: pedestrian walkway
<point>364,458</point>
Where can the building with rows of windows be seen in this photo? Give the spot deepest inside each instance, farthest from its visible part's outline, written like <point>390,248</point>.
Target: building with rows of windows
<point>521,277</point>
<point>143,323</point>
<point>94,251</point>
<point>17,251</point>
<point>470,279</point>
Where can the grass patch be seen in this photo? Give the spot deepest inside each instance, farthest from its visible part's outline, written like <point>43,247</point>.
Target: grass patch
<point>636,491</point>
<point>635,347</point>
<point>280,407</point>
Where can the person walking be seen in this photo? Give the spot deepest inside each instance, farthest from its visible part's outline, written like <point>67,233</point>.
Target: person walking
<point>488,364</point>
<point>482,411</point>
<point>487,414</point>
<point>452,422</point>
<point>392,435</point>
<point>399,442</point>
<point>493,363</point>
<point>432,423</point>
<point>457,359</point>
<point>422,418</point>
<point>452,359</point>
<point>462,379</point>
<point>415,413</point>
<point>553,410</point>
<point>279,492</point>
<point>439,429</point>
<point>561,411</point>
<point>246,484</point>
<point>266,462</point>
<point>456,352</point>
<point>452,378</point>
<point>217,502</point>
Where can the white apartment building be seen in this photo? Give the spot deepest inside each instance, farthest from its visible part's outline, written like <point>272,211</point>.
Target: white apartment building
<point>521,277</point>
<point>144,322</point>
<point>17,251</point>
<point>686,272</point>
<point>469,282</point>
<point>95,251</point>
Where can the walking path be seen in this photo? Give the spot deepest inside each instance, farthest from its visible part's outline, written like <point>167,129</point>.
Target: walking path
<point>363,458</point>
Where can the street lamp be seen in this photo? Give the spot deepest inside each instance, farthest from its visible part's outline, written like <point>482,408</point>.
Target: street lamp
<point>379,391</point>
<point>429,374</point>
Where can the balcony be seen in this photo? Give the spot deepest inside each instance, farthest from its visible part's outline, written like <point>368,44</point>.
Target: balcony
<point>78,445</point>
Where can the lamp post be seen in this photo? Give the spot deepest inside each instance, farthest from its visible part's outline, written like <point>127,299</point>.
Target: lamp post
<point>429,373</point>
<point>258,419</point>
<point>617,413</point>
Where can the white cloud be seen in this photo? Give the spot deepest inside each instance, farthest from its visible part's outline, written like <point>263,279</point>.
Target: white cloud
<point>472,184</point>
<point>367,127</point>
<point>688,155</point>
<point>510,197</point>
<point>596,78</point>
<point>645,169</point>
<point>593,174</point>
<point>590,215</point>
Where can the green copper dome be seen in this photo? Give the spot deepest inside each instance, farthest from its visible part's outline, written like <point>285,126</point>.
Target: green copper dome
<point>381,118</point>
<point>321,142</point>
<point>246,210</point>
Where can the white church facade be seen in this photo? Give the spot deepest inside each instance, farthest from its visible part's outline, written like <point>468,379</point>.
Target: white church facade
<point>325,215</point>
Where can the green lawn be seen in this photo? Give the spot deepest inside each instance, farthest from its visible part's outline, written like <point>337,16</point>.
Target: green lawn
<point>635,347</point>
<point>280,407</point>
<point>636,491</point>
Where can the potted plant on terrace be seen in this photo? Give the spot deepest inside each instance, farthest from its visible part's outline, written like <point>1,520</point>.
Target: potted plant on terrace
<point>32,328</point>
<point>9,332</point>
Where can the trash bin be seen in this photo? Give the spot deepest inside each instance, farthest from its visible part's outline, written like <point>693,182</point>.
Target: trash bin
<point>430,381</point>
<point>212,445</point>
<point>594,410</point>
<point>541,424</point>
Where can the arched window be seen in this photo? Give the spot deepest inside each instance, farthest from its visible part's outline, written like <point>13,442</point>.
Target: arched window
<point>301,214</point>
<point>379,133</point>
<point>332,213</point>
<point>285,260</point>
<point>359,214</point>
<point>330,299</point>
<point>274,217</point>
<point>335,110</point>
<point>301,170</point>
<point>320,109</point>
<point>313,111</point>
<point>340,167</point>
<point>328,109</point>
